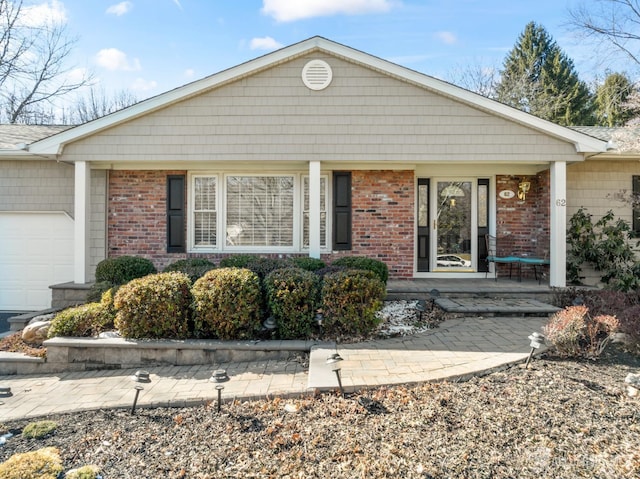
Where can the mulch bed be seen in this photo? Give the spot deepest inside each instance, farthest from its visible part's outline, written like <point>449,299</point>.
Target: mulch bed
<point>559,418</point>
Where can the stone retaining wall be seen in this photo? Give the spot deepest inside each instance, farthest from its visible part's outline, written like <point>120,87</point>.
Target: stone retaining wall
<point>90,354</point>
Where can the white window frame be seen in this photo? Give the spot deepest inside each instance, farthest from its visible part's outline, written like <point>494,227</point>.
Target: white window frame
<point>221,196</point>
<point>326,211</point>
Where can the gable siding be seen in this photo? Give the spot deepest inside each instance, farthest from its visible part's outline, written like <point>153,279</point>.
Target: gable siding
<point>362,116</point>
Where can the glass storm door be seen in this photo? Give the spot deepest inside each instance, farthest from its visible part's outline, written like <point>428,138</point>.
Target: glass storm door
<point>454,235</point>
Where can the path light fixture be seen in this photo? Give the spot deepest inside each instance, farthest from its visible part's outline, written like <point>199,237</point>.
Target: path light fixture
<point>434,294</point>
<point>219,376</point>
<point>537,340</point>
<point>334,360</point>
<point>269,324</point>
<point>140,376</point>
<point>219,388</point>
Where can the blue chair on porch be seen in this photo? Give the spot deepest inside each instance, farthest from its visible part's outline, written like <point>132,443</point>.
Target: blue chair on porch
<point>536,263</point>
<point>494,257</point>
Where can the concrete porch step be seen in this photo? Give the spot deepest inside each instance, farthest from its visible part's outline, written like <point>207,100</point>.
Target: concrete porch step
<point>496,306</point>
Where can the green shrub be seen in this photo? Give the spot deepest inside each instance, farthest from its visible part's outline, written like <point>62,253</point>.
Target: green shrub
<point>41,464</point>
<point>39,429</point>
<point>195,268</point>
<point>576,333</point>
<point>84,320</point>
<point>369,264</point>
<point>292,297</point>
<point>156,306</point>
<point>122,269</point>
<point>227,304</point>
<point>350,300</point>
<point>308,264</point>
<point>85,472</point>
<point>237,260</point>
<point>97,289</point>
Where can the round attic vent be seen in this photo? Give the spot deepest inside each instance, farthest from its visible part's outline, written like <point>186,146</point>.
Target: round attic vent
<point>317,75</point>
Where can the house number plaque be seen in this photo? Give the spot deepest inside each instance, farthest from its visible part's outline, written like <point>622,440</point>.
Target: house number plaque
<point>507,194</point>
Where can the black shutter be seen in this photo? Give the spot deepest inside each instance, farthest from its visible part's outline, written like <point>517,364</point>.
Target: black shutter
<point>342,210</point>
<point>175,214</point>
<point>636,211</point>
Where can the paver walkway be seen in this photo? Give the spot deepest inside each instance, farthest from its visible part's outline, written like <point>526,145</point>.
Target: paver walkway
<point>458,349</point>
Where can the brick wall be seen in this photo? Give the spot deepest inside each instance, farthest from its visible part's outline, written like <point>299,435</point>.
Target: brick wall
<point>382,219</point>
<point>523,226</point>
<point>137,215</point>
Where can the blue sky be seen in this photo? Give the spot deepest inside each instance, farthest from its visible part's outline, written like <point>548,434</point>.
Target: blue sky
<point>151,46</point>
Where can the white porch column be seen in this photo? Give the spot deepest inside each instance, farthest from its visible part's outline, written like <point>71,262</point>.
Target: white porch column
<point>558,207</point>
<point>81,221</point>
<point>314,209</point>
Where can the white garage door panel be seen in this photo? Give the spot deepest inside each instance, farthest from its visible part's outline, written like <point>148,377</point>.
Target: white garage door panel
<point>36,251</point>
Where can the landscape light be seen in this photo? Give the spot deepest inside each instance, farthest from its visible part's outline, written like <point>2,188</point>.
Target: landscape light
<point>138,388</point>
<point>219,388</point>
<point>219,376</point>
<point>537,340</point>
<point>334,359</point>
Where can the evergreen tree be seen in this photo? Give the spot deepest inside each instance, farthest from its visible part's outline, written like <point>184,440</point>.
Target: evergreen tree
<point>613,101</point>
<point>540,79</point>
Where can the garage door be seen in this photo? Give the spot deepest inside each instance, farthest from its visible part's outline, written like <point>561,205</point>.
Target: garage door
<point>36,251</point>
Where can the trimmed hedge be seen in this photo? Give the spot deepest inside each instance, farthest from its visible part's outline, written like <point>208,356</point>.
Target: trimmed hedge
<point>292,298</point>
<point>84,320</point>
<point>361,262</point>
<point>227,304</point>
<point>350,300</point>
<point>195,268</point>
<point>122,269</point>
<point>44,463</point>
<point>308,264</point>
<point>156,306</point>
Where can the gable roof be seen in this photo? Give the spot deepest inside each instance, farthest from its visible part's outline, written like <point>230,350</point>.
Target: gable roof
<point>54,145</point>
<point>14,137</point>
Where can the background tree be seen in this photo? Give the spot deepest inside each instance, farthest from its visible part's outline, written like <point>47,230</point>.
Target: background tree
<point>97,103</point>
<point>613,24</point>
<point>476,77</point>
<point>614,100</point>
<point>33,69</point>
<point>540,79</point>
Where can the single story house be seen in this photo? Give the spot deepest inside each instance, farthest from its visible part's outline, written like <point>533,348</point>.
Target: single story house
<point>316,149</point>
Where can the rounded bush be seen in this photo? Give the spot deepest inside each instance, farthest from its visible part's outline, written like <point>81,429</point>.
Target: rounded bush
<point>122,269</point>
<point>350,300</point>
<point>292,297</point>
<point>227,304</point>
<point>237,260</point>
<point>39,429</point>
<point>44,463</point>
<point>195,268</point>
<point>369,264</point>
<point>156,306</point>
<point>85,320</point>
<point>308,264</point>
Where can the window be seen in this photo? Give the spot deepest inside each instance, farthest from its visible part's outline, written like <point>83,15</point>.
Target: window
<point>205,213</point>
<point>245,212</point>
<point>323,212</point>
<point>259,211</point>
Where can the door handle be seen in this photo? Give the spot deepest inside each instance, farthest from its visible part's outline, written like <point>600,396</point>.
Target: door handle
<point>434,224</point>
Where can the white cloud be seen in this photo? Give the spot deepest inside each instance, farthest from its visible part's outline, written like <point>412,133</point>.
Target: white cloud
<point>120,9</point>
<point>189,73</point>
<point>289,11</point>
<point>178,4</point>
<point>264,43</point>
<point>114,59</point>
<point>448,38</point>
<point>140,84</point>
<point>47,13</point>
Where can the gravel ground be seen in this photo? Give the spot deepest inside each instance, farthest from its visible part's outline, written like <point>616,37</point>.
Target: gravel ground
<point>559,418</point>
